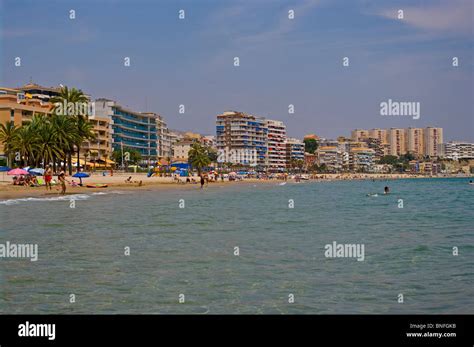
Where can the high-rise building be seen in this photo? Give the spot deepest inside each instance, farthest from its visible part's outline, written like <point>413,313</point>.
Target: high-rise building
<point>276,138</point>
<point>361,159</point>
<point>164,139</point>
<point>359,135</point>
<point>242,138</point>
<point>130,129</point>
<point>294,151</point>
<point>415,141</point>
<point>380,134</point>
<point>433,140</point>
<point>397,141</point>
<point>330,156</point>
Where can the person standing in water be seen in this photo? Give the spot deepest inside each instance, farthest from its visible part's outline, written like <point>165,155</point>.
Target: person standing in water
<point>202,181</point>
<point>386,190</point>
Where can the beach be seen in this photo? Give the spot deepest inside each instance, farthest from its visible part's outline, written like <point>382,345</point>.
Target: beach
<point>117,181</point>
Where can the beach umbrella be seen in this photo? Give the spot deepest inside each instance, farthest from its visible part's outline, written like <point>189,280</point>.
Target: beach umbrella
<point>36,171</point>
<point>81,175</point>
<point>16,172</point>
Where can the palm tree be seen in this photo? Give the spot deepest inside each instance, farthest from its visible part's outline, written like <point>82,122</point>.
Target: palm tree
<point>7,133</point>
<point>198,157</point>
<point>25,142</point>
<point>83,129</point>
<point>49,149</point>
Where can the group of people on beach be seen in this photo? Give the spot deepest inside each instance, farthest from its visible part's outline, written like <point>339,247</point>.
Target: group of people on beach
<point>48,180</point>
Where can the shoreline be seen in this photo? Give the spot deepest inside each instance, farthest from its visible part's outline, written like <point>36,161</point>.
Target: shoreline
<point>117,182</point>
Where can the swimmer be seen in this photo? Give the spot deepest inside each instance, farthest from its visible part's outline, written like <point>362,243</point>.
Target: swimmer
<point>386,190</point>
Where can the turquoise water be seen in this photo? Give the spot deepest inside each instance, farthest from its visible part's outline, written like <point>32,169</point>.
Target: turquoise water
<point>190,251</point>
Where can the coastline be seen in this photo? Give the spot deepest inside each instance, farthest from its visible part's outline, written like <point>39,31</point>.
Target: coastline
<point>9,191</point>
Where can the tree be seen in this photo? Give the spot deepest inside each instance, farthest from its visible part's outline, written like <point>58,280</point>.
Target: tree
<point>25,142</point>
<point>198,157</point>
<point>388,159</point>
<point>310,145</point>
<point>83,128</point>
<point>134,155</point>
<point>7,133</point>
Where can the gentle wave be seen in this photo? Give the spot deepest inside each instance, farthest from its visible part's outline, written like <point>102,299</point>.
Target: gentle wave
<point>56,198</point>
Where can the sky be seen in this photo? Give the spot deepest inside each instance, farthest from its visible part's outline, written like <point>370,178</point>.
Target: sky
<point>282,61</point>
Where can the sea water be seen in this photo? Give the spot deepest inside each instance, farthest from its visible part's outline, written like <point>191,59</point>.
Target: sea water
<point>245,248</point>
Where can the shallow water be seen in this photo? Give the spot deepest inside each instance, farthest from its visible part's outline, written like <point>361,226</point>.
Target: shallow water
<point>190,250</point>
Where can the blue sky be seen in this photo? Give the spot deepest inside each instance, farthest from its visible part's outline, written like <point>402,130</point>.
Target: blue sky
<point>282,61</point>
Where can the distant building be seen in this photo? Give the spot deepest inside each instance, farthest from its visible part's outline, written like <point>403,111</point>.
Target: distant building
<point>415,141</point>
<point>433,140</point>
<point>242,138</point>
<point>164,145</point>
<point>361,159</point>
<point>457,150</point>
<point>276,139</point>
<point>397,142</point>
<point>181,150</point>
<point>294,151</point>
<point>359,135</point>
<point>130,128</point>
<point>380,134</point>
<point>331,157</point>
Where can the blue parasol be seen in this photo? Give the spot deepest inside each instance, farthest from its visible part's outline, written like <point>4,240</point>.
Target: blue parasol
<point>81,175</point>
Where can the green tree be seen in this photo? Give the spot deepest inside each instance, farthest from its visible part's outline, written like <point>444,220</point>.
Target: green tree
<point>198,157</point>
<point>7,133</point>
<point>134,155</point>
<point>310,145</point>
<point>388,159</point>
<point>83,128</point>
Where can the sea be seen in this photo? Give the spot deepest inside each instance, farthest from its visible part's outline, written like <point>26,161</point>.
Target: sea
<point>244,249</point>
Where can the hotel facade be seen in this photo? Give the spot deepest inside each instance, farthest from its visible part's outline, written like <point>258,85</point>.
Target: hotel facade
<point>242,139</point>
<point>130,129</point>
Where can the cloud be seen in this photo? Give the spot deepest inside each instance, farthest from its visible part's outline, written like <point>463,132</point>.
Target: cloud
<point>283,26</point>
<point>453,16</point>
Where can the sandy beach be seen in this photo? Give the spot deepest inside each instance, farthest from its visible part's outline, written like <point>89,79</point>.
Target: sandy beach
<point>117,181</point>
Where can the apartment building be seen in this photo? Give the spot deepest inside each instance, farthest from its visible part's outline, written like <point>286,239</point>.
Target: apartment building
<point>415,141</point>
<point>130,128</point>
<point>242,138</point>
<point>276,143</point>
<point>433,139</point>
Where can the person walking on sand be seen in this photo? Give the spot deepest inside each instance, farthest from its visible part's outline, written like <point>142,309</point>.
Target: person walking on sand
<point>48,176</point>
<point>62,181</point>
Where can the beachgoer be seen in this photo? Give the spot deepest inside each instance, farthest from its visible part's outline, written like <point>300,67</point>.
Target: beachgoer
<point>48,176</point>
<point>129,180</point>
<point>202,181</point>
<point>386,190</point>
<point>62,181</point>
